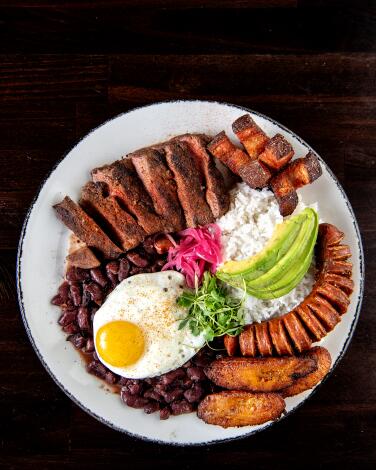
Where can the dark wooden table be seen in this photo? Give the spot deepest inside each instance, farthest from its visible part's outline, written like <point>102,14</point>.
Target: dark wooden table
<point>66,67</point>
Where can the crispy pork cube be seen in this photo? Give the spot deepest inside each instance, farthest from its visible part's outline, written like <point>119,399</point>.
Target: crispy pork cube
<point>252,172</point>
<point>277,153</point>
<point>250,135</point>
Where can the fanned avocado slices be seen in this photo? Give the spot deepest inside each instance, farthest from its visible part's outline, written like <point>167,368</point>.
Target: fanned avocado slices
<point>281,265</point>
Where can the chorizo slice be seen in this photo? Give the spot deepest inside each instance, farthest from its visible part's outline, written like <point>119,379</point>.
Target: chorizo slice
<point>344,283</point>
<point>311,322</point>
<point>326,313</point>
<point>330,234</point>
<point>323,361</point>
<point>263,341</point>
<point>337,252</point>
<point>335,296</point>
<point>261,374</point>
<point>279,338</point>
<point>231,344</point>
<point>235,408</point>
<point>297,331</point>
<point>342,268</point>
<point>247,341</point>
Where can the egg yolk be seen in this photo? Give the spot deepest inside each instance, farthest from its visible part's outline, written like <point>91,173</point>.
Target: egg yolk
<point>120,343</point>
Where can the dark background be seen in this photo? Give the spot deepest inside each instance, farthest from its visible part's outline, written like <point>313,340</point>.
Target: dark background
<point>67,66</point>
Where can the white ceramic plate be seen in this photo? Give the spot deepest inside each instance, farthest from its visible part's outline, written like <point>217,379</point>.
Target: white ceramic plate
<point>43,246</point>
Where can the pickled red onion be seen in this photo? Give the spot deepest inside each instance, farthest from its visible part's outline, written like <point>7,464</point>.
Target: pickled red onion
<point>198,250</point>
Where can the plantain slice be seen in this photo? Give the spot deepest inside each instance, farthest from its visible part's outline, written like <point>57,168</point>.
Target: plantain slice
<point>325,312</point>
<point>231,344</point>
<point>247,341</point>
<point>267,374</point>
<point>236,408</point>
<point>263,340</point>
<point>344,283</point>
<point>335,296</point>
<point>311,322</point>
<point>279,338</point>
<point>323,360</point>
<point>297,332</point>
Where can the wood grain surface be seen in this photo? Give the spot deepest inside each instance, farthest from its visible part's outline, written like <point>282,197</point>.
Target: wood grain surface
<point>65,67</point>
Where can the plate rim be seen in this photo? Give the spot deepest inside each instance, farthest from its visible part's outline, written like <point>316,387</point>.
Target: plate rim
<point>216,441</point>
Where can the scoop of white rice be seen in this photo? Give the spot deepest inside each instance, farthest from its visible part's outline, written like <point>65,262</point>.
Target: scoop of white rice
<point>246,228</point>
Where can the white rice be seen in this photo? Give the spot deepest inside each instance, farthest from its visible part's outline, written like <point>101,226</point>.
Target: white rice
<point>246,228</point>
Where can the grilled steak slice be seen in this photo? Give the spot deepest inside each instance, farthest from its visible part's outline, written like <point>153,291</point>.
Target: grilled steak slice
<point>83,258</point>
<point>190,191</point>
<point>216,194</point>
<point>251,171</point>
<point>84,227</point>
<point>250,135</point>
<point>160,184</point>
<point>117,221</point>
<point>277,153</point>
<point>124,183</point>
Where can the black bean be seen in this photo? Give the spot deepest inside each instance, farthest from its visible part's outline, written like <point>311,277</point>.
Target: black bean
<point>160,262</point>
<point>153,395</point>
<point>77,340</point>
<point>170,377</point>
<point>75,274</point>
<point>57,300</point>
<point>148,245</point>
<point>64,291</point>
<point>194,394</point>
<point>67,317</point>
<point>134,386</point>
<point>187,364</point>
<point>83,318</point>
<point>86,298</point>
<point>113,279</point>
<point>89,345</point>
<point>124,268</point>
<point>133,400</point>
<point>71,328</point>
<point>110,378</point>
<point>164,413</point>
<point>137,259</point>
<point>75,290</point>
<point>196,373</point>
<point>172,395</point>
<point>151,407</point>
<point>186,383</point>
<point>112,267</point>
<point>96,368</point>
<point>181,407</point>
<point>135,270</point>
<point>202,361</point>
<point>123,381</point>
<point>98,276</point>
<point>95,291</point>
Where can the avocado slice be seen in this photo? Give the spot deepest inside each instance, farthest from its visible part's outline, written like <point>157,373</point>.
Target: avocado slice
<point>288,270</point>
<point>280,243</point>
<point>283,271</point>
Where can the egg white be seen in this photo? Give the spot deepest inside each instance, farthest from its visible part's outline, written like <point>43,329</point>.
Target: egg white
<point>149,301</point>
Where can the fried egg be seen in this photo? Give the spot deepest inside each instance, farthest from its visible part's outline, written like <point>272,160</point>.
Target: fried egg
<point>136,330</point>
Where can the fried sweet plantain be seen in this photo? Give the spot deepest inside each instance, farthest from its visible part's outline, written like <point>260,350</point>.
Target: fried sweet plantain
<point>236,408</point>
<point>323,360</point>
<point>259,374</point>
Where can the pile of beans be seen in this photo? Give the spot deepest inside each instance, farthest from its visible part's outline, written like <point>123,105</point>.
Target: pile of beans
<point>80,296</point>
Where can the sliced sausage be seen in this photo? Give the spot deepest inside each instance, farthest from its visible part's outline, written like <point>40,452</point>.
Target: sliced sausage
<point>263,340</point>
<point>344,283</point>
<point>297,332</point>
<point>279,338</point>
<point>311,322</point>
<point>335,296</point>
<point>324,311</point>
<point>231,344</point>
<point>247,342</point>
